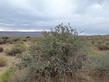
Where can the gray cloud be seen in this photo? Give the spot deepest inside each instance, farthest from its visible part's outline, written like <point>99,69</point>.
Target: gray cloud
<point>90,16</point>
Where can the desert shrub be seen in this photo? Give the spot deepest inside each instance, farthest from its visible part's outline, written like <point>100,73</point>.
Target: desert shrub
<point>16,49</point>
<point>3,61</point>
<point>102,62</point>
<point>16,39</point>
<point>5,37</point>
<point>24,40</point>
<point>103,47</point>
<point>28,37</point>
<point>100,69</point>
<point>6,75</point>
<point>1,49</point>
<point>4,40</point>
<point>59,53</point>
<point>101,44</point>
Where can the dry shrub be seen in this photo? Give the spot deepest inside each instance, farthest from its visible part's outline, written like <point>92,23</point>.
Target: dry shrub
<point>4,40</point>
<point>3,61</point>
<point>16,49</point>
<point>1,49</point>
<point>103,47</point>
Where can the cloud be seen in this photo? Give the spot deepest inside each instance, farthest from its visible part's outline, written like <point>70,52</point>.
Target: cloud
<point>90,16</point>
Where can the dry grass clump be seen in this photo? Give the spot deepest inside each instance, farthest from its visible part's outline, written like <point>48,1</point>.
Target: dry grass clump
<point>3,61</point>
<point>5,77</point>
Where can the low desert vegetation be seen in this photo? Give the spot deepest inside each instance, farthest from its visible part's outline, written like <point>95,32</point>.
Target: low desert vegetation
<point>58,56</point>
<point>16,49</point>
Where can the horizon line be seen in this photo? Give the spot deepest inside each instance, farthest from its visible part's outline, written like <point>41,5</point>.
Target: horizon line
<point>25,30</point>
<point>46,30</point>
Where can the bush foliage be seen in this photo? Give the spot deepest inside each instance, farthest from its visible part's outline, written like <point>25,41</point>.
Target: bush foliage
<point>58,54</point>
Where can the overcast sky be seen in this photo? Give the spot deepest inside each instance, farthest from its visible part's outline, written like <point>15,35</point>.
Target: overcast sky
<point>89,16</point>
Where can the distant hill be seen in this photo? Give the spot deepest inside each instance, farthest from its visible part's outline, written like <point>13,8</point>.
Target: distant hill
<point>20,34</point>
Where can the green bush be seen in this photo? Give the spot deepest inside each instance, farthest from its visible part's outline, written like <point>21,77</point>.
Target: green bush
<point>16,49</point>
<point>59,53</point>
